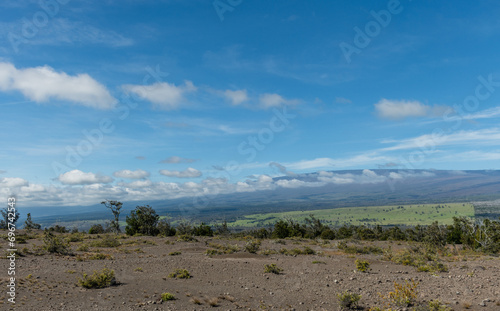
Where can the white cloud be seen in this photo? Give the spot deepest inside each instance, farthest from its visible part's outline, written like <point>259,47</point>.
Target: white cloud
<point>13,182</point>
<point>295,183</point>
<point>42,84</point>
<point>77,177</point>
<point>484,114</point>
<point>428,142</point>
<point>72,32</point>
<point>274,100</point>
<point>162,94</point>
<point>87,192</point>
<point>176,160</point>
<point>138,174</point>
<point>187,173</point>
<point>236,97</point>
<point>137,184</point>
<point>310,164</point>
<point>32,188</point>
<point>66,32</point>
<point>400,109</point>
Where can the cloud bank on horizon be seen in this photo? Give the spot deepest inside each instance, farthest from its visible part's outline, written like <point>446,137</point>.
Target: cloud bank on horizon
<point>146,100</point>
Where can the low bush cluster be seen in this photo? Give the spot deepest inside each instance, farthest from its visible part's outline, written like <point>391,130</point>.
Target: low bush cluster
<point>99,279</point>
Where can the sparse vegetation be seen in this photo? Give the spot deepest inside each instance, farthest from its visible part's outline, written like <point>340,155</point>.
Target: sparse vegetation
<point>425,260</point>
<point>436,305</point>
<point>97,229</point>
<point>348,300</point>
<point>180,274</point>
<point>252,246</point>
<point>106,241</point>
<point>55,244</point>
<point>297,251</point>
<point>29,224</point>
<point>167,297</point>
<point>404,295</point>
<point>272,268</point>
<point>99,279</point>
<point>115,207</point>
<point>362,265</point>
<point>186,238</point>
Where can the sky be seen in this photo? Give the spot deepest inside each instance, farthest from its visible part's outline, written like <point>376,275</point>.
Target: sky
<point>152,100</point>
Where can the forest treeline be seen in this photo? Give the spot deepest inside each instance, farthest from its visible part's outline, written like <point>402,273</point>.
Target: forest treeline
<point>482,235</point>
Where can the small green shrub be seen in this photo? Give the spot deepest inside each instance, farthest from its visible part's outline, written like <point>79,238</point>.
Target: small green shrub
<point>107,241</point>
<point>252,246</point>
<point>99,279</point>
<point>75,237</point>
<point>186,238</point>
<point>54,244</point>
<point>97,229</point>
<point>435,305</point>
<point>213,252</point>
<point>99,256</point>
<point>83,248</point>
<point>404,295</point>
<point>319,262</point>
<point>167,297</point>
<point>348,301</point>
<point>297,251</point>
<point>174,253</point>
<point>362,265</point>
<point>180,274</point>
<point>272,268</point>
<point>268,252</point>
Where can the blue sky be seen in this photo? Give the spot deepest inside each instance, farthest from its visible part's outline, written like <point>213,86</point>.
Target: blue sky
<point>140,100</point>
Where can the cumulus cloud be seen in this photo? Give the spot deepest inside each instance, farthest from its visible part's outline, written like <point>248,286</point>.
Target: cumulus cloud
<point>236,97</point>
<point>137,184</point>
<point>187,173</point>
<point>42,84</point>
<point>138,174</point>
<point>296,183</point>
<point>400,109</point>
<point>77,177</point>
<point>176,160</point>
<point>162,94</point>
<point>87,191</point>
<point>13,182</point>
<point>274,100</point>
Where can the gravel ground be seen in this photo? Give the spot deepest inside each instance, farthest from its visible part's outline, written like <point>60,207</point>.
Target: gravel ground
<point>237,281</point>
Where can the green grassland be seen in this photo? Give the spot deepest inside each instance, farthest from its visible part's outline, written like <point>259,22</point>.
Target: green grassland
<point>416,214</point>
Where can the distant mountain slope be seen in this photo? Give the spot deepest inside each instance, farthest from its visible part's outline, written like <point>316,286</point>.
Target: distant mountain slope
<point>321,190</point>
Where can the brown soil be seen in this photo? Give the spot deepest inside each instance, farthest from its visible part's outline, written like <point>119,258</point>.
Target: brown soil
<point>237,281</point>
